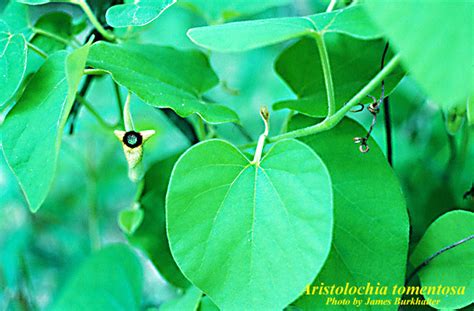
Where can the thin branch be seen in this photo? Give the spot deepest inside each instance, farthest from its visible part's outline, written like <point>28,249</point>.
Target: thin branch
<point>94,72</point>
<point>323,54</point>
<point>388,130</point>
<point>119,102</point>
<point>53,36</point>
<point>37,50</point>
<point>331,5</point>
<point>93,19</point>
<point>91,109</point>
<point>333,120</point>
<point>429,259</point>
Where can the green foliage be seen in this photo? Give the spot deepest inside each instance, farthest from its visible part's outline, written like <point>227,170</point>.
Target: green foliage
<point>356,63</point>
<point>204,227</point>
<point>370,219</point>
<point>163,77</point>
<point>110,279</point>
<point>12,60</point>
<point>241,36</point>
<point>138,13</point>
<point>32,136</point>
<point>279,211</point>
<point>436,61</point>
<point>453,267</point>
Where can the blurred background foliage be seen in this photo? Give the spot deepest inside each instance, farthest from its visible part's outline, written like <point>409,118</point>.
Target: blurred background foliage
<point>38,251</point>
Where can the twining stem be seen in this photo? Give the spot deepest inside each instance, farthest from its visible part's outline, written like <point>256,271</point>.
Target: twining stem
<point>261,140</point>
<point>37,50</point>
<point>331,5</point>
<point>388,130</point>
<point>334,119</point>
<point>127,116</point>
<point>429,259</point>
<point>91,16</point>
<point>91,109</point>
<point>119,103</point>
<point>323,54</point>
<point>53,36</point>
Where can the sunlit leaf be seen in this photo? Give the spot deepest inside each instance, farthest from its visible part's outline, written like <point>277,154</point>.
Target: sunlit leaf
<point>163,77</point>
<point>370,220</point>
<point>33,128</point>
<point>136,13</point>
<point>453,267</point>
<point>235,227</point>
<point>241,36</point>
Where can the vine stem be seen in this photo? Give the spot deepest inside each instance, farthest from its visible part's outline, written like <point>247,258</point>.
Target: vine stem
<point>53,36</point>
<point>333,120</point>
<point>91,109</point>
<point>323,54</point>
<point>94,72</point>
<point>331,5</point>
<point>91,16</point>
<point>119,103</point>
<point>429,259</point>
<point>37,50</point>
<point>127,116</point>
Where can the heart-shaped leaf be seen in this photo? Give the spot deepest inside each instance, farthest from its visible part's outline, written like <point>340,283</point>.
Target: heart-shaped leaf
<point>437,54</point>
<point>13,51</point>
<point>236,227</point>
<point>110,279</point>
<point>137,13</point>
<point>353,62</point>
<point>453,267</point>
<point>241,36</point>
<point>33,129</point>
<point>151,237</point>
<point>163,77</point>
<point>370,220</point>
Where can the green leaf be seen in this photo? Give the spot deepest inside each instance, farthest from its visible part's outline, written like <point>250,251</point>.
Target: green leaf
<point>453,267</point>
<point>151,235</point>
<point>353,62</point>
<point>13,52</point>
<point>236,227</point>
<point>163,77</point>
<point>58,24</point>
<point>130,220</point>
<point>16,15</point>
<point>241,36</point>
<point>435,53</point>
<point>136,13</point>
<point>188,302</point>
<point>33,129</point>
<point>110,279</point>
<point>370,219</point>
<point>220,11</point>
